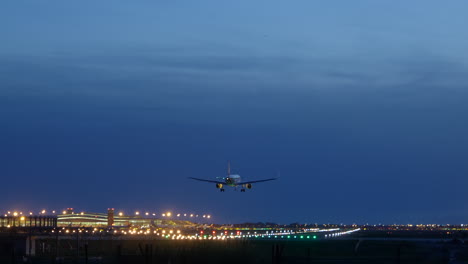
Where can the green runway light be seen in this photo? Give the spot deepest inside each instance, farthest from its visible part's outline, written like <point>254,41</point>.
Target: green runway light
<point>315,237</point>
<point>289,236</point>
<point>308,236</point>
<point>302,237</point>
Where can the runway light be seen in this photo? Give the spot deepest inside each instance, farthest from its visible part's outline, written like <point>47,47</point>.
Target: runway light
<point>137,213</point>
<point>168,214</point>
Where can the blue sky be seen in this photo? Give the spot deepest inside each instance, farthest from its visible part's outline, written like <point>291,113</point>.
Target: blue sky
<point>360,105</point>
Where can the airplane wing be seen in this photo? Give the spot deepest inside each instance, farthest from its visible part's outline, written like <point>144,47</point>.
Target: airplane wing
<point>247,182</point>
<point>221,182</point>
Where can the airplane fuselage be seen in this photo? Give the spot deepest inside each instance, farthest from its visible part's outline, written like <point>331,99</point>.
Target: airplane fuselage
<point>232,180</point>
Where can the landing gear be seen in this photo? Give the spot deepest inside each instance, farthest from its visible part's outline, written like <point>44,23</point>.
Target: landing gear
<point>242,190</point>
<point>221,190</point>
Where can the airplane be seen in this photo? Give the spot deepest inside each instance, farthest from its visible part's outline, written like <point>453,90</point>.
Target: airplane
<point>232,180</point>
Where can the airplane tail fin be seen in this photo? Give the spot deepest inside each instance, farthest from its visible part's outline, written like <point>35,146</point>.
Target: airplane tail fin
<point>229,168</point>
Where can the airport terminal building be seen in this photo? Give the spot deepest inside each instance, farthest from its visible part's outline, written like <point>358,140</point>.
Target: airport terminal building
<point>69,218</point>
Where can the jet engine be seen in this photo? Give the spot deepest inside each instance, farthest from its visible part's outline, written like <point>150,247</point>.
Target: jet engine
<point>248,186</point>
<point>219,186</point>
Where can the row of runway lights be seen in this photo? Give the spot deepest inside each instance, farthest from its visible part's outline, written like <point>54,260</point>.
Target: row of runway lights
<point>342,233</point>
<point>137,213</point>
<point>222,235</point>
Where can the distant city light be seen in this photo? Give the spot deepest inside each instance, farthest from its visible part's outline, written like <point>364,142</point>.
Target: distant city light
<point>137,213</point>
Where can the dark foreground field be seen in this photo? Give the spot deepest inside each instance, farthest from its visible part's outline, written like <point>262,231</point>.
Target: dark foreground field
<point>349,250</point>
